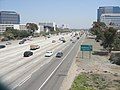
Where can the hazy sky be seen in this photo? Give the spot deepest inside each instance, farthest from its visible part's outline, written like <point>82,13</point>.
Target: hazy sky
<point>74,13</point>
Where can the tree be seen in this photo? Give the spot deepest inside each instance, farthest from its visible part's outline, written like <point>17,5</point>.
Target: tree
<point>32,27</point>
<point>98,30</point>
<point>116,45</point>
<point>12,33</point>
<point>8,33</point>
<point>109,38</point>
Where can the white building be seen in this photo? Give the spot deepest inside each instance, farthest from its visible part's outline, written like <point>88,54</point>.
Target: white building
<point>111,20</point>
<point>15,26</point>
<point>47,24</point>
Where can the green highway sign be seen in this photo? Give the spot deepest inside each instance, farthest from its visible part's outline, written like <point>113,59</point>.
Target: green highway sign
<point>86,48</point>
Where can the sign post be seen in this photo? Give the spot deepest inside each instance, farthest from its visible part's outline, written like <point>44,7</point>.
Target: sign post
<point>86,48</point>
<point>82,54</point>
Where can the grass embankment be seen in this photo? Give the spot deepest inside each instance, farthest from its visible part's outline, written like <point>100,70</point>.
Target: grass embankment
<point>86,81</point>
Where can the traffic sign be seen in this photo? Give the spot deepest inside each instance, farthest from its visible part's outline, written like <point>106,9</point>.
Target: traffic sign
<point>86,48</point>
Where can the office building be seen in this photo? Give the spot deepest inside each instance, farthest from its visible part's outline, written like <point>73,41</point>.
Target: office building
<point>48,26</point>
<point>9,17</point>
<point>106,10</point>
<point>111,20</point>
<point>15,26</point>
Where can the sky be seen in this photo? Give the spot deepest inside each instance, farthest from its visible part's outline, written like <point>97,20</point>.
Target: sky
<point>73,13</point>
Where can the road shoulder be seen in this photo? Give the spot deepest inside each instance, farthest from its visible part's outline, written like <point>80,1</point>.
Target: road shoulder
<point>97,65</point>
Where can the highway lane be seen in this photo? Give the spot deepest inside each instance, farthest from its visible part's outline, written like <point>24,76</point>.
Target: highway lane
<point>11,56</point>
<point>19,71</point>
<point>15,58</point>
<point>5,69</point>
<point>38,79</point>
<point>23,60</point>
<point>26,44</point>
<point>18,47</point>
<point>44,61</point>
<point>57,78</point>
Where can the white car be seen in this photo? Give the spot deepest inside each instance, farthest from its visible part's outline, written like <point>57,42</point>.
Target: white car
<point>48,54</point>
<point>8,43</point>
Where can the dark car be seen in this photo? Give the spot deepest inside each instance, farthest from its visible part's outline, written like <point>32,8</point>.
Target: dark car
<point>28,53</point>
<point>2,46</point>
<point>59,54</point>
<point>53,41</point>
<point>77,37</point>
<point>63,41</point>
<point>24,39</point>
<point>48,36</point>
<point>73,41</point>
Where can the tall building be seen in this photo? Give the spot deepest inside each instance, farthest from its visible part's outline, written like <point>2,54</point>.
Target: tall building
<point>111,20</point>
<point>107,9</point>
<point>9,17</point>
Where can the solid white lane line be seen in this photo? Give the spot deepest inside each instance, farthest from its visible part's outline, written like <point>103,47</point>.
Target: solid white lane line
<point>56,68</point>
<point>28,77</point>
<point>12,65</point>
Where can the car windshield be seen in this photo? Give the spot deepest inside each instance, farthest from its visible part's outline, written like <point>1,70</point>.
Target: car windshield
<point>59,52</point>
<point>48,52</point>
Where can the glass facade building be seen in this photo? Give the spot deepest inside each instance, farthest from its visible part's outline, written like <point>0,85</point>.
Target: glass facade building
<point>9,17</point>
<point>111,20</point>
<point>107,9</point>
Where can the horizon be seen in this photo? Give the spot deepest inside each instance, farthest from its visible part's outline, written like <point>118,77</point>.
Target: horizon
<point>74,14</point>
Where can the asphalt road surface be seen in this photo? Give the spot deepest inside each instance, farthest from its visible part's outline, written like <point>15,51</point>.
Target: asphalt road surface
<point>51,74</point>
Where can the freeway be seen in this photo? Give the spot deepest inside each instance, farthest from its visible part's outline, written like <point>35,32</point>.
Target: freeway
<point>51,75</point>
<point>16,69</point>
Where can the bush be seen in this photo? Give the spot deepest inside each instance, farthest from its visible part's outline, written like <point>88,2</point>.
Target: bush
<point>115,58</point>
<point>11,33</point>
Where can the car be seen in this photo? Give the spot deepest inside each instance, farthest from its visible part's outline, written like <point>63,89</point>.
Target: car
<point>48,54</point>
<point>73,41</point>
<point>8,43</point>
<point>24,39</point>
<point>34,47</point>
<point>62,38</point>
<point>97,40</point>
<point>5,39</point>
<point>21,42</point>
<point>48,36</point>
<point>29,36</point>
<point>28,53</point>
<point>2,46</point>
<point>63,41</point>
<point>77,37</point>
<point>59,54</point>
<point>53,41</point>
